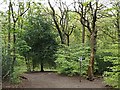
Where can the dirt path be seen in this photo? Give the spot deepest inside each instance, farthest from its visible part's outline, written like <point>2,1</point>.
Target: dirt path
<point>53,80</point>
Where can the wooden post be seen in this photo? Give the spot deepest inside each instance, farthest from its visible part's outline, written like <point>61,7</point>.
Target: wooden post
<point>80,60</point>
<point>80,70</point>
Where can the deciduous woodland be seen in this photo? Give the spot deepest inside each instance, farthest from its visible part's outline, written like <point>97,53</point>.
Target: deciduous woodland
<point>55,35</point>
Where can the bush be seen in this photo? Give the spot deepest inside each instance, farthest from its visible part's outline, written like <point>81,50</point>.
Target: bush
<point>67,59</point>
<point>19,68</point>
<point>111,77</point>
<point>102,61</point>
<point>15,79</point>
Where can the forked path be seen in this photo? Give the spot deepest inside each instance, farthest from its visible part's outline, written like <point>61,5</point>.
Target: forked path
<point>53,80</point>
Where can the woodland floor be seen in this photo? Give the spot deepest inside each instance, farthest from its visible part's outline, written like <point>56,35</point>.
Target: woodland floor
<point>53,80</point>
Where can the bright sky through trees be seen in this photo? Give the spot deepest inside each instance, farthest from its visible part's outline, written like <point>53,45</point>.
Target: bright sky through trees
<point>4,5</point>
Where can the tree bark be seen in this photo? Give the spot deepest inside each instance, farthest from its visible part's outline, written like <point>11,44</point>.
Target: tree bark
<point>118,21</point>
<point>14,48</point>
<point>9,37</point>
<point>93,44</point>
<point>56,24</point>
<point>91,62</point>
<point>42,70</point>
<point>33,67</point>
<point>92,55</point>
<point>68,40</point>
<point>118,27</point>
<point>27,64</point>
<point>83,34</point>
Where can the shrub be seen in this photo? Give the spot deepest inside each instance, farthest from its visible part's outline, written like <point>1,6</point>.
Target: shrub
<point>19,68</point>
<point>67,59</point>
<point>111,77</point>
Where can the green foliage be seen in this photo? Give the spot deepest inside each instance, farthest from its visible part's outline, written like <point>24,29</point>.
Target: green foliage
<point>110,65</point>
<point>102,61</point>
<point>15,79</point>
<point>67,59</point>
<point>22,47</point>
<point>19,69</point>
<point>39,36</point>
<point>5,65</point>
<point>112,78</point>
<point>107,55</point>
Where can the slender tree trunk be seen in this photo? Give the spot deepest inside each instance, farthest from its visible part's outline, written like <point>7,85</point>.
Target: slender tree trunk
<point>83,34</point>
<point>118,27</point>
<point>68,40</point>
<point>14,34</point>
<point>63,38</point>
<point>42,70</point>
<point>9,37</point>
<point>14,48</point>
<point>118,22</point>
<point>33,67</point>
<point>27,64</point>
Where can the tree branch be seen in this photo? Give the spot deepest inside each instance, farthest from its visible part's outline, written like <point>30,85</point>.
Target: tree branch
<point>15,20</point>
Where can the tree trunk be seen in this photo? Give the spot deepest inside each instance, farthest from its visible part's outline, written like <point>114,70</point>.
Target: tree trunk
<point>118,27</point>
<point>91,62</point>
<point>14,34</point>
<point>42,70</point>
<point>63,39</point>
<point>27,64</point>
<point>68,40</point>
<point>9,37</point>
<point>83,34</point>
<point>33,67</point>
<point>92,56</point>
<point>118,22</point>
<point>14,49</point>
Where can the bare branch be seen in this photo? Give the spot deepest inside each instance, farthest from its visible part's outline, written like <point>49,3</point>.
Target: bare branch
<point>55,21</point>
<point>12,12</point>
<point>108,34</point>
<point>72,30</point>
<point>15,20</point>
<point>23,12</point>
